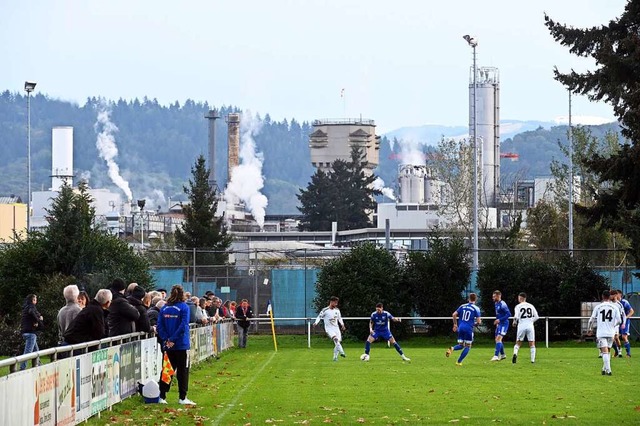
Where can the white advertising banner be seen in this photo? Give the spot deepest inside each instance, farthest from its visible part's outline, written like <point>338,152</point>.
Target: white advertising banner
<point>22,406</point>
<point>65,392</point>
<point>83,387</point>
<point>99,381</point>
<point>113,375</point>
<point>129,368</point>
<point>46,393</point>
<point>151,360</point>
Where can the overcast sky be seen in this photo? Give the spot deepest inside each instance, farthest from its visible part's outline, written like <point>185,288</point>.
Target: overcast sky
<point>401,63</point>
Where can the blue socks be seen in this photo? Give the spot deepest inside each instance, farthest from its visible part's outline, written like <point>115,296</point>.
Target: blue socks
<point>398,348</point>
<point>464,353</point>
<point>367,347</point>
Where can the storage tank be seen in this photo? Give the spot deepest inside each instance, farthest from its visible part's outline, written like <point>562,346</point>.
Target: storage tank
<point>61,157</point>
<point>488,127</point>
<point>411,180</point>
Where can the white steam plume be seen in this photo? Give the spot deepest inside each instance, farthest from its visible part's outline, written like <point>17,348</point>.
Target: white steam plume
<point>410,153</point>
<point>106,144</point>
<point>246,178</point>
<point>387,192</point>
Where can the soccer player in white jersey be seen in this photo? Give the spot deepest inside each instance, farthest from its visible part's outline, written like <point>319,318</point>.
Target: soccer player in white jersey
<point>616,339</point>
<point>607,317</point>
<point>332,325</point>
<point>524,317</point>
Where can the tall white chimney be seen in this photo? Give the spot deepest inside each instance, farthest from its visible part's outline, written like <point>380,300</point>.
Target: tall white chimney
<point>61,157</point>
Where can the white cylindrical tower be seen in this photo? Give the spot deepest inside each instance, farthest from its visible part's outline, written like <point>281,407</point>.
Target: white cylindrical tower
<point>411,183</point>
<point>61,157</point>
<point>488,116</point>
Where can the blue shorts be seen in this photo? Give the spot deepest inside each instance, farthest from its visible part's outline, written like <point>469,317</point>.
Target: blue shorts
<point>502,328</point>
<point>465,335</point>
<point>386,335</point>
<point>625,331</point>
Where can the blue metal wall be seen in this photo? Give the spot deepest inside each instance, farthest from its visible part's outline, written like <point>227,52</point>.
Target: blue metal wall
<point>292,293</point>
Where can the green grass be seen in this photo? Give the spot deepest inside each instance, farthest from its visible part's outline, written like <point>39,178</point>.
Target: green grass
<point>298,385</point>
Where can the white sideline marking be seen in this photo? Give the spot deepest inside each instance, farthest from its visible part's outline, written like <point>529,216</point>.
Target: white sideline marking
<point>232,403</point>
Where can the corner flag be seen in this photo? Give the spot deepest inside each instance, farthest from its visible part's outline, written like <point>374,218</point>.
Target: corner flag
<point>273,327</point>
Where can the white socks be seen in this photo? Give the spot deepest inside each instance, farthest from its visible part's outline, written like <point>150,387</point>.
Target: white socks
<point>533,354</point>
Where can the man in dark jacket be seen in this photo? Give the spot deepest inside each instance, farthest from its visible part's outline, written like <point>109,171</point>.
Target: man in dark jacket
<point>89,325</point>
<point>243,314</point>
<point>122,315</point>
<point>135,298</point>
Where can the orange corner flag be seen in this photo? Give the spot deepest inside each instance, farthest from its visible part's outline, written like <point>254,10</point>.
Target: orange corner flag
<point>167,369</point>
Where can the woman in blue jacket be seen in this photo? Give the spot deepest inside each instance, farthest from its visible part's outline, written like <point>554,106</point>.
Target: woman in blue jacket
<point>173,330</point>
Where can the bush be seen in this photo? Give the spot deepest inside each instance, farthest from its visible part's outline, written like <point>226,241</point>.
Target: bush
<point>362,278</point>
<point>555,288</point>
<point>437,279</point>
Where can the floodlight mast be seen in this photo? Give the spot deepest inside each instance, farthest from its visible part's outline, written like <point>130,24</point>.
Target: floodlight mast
<point>473,42</point>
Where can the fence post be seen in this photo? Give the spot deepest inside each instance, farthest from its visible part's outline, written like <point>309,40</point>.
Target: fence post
<point>308,333</point>
<point>546,331</point>
<point>194,272</point>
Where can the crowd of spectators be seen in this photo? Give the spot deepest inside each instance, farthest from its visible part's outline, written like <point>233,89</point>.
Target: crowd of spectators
<point>122,309</point>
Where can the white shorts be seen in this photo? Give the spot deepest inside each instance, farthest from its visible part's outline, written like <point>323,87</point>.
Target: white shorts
<point>528,332</point>
<point>605,342</point>
<point>334,332</point>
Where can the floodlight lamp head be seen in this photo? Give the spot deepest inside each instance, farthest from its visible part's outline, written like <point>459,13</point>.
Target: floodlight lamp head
<point>471,40</point>
<point>141,203</point>
<point>29,86</point>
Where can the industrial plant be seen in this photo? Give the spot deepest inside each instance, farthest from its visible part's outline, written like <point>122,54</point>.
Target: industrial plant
<point>419,204</point>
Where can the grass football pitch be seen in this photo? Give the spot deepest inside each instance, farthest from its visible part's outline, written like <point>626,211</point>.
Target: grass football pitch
<point>298,385</point>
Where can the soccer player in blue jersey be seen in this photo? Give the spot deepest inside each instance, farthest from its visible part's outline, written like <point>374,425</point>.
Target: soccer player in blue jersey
<point>379,329</point>
<point>625,327</point>
<point>502,324</point>
<point>467,315</point>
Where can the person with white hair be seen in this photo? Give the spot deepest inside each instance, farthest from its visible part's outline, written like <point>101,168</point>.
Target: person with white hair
<point>89,324</point>
<point>68,312</point>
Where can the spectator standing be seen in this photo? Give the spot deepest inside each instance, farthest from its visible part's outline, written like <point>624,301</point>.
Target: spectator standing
<point>89,324</point>
<point>163,292</point>
<point>135,298</point>
<point>83,299</point>
<point>173,331</point>
<point>243,314</point>
<point>122,315</point>
<point>31,324</point>
<point>156,304</point>
<point>232,308</point>
<point>201,312</point>
<point>192,303</point>
<point>67,313</point>
<point>226,308</point>
<point>211,306</point>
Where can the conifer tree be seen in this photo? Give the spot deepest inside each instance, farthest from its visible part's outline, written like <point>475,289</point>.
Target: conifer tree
<point>343,195</point>
<point>616,49</point>
<point>201,229</point>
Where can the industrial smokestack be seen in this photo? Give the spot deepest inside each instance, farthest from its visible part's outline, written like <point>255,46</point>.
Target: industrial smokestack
<point>212,116</point>
<point>61,157</point>
<point>233,123</point>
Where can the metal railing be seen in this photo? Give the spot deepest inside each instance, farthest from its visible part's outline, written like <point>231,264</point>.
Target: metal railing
<point>82,348</point>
